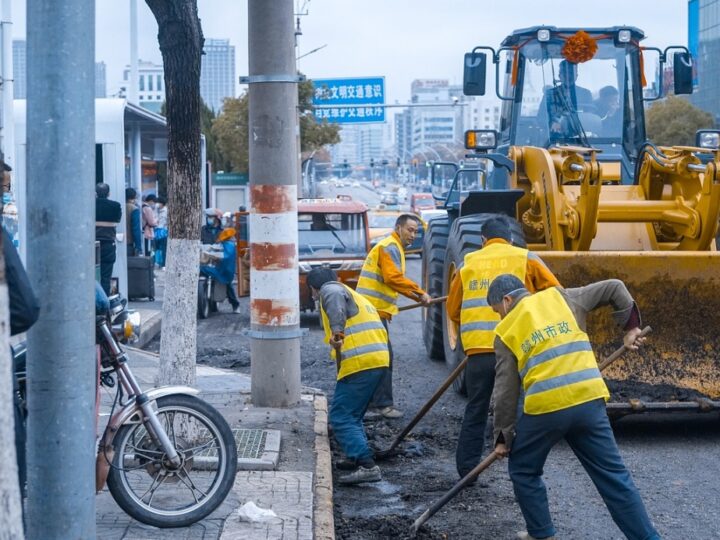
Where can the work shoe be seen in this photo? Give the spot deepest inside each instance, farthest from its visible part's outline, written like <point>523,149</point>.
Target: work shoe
<point>372,415</point>
<point>391,412</point>
<point>236,309</point>
<point>361,475</point>
<point>524,535</point>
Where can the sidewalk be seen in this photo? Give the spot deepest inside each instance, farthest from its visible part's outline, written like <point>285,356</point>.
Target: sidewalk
<point>298,490</point>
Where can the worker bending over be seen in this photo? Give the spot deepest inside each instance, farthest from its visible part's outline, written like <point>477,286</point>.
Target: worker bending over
<point>467,306</point>
<point>381,280</point>
<point>361,351</point>
<point>541,344</point>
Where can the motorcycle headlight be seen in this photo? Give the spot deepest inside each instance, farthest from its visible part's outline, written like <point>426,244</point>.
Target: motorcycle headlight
<point>132,327</point>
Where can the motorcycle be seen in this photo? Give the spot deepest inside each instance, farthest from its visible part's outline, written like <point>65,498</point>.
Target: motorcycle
<point>210,293</point>
<point>168,457</point>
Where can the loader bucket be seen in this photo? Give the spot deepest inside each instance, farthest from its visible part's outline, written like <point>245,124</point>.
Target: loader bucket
<point>678,294</point>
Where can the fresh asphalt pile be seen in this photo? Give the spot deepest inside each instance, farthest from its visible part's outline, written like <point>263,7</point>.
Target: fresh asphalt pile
<point>670,457</point>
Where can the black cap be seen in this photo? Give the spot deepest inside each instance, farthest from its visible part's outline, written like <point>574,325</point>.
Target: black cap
<point>317,277</point>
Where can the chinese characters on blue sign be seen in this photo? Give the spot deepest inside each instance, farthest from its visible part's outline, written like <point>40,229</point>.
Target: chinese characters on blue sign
<point>348,101</point>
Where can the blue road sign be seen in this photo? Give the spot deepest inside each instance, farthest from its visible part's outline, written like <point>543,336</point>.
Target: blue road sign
<point>350,101</point>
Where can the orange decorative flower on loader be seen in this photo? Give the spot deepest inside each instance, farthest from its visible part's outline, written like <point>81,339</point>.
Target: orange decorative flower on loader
<point>579,48</point>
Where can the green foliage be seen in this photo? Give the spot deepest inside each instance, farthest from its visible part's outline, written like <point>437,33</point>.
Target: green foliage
<point>674,121</point>
<point>231,129</point>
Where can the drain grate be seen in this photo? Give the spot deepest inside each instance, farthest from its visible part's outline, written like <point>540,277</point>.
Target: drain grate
<point>250,442</point>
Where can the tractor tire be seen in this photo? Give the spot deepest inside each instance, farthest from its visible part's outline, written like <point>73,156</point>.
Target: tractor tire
<point>464,238</point>
<point>433,258</point>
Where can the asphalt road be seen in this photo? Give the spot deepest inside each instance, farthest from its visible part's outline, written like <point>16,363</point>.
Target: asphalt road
<point>674,460</point>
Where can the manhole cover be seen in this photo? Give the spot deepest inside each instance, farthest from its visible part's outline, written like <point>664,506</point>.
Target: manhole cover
<point>250,442</point>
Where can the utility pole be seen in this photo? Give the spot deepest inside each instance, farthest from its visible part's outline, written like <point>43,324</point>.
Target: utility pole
<point>60,255</point>
<point>274,290</point>
<point>7,142</point>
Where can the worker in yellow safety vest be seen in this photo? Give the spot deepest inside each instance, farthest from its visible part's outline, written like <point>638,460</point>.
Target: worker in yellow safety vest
<point>360,349</point>
<point>382,278</point>
<point>541,346</point>
<point>468,308</point>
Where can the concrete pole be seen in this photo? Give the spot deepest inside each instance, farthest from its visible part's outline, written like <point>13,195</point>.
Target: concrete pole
<point>132,94</point>
<point>136,160</point>
<point>274,291</point>
<point>8,124</point>
<point>61,263</point>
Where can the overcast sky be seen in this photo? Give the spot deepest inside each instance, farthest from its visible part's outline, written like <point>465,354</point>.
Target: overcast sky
<point>401,40</point>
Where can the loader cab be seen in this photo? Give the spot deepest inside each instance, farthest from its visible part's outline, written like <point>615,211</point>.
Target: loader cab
<point>552,96</point>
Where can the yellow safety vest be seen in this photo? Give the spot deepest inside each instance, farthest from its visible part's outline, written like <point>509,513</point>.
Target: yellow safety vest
<point>480,268</point>
<point>371,284</point>
<point>366,344</point>
<point>556,363</point>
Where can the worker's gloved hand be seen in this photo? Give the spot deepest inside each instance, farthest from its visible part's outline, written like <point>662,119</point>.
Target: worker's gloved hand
<point>425,299</point>
<point>631,339</point>
<point>501,450</point>
<point>336,342</point>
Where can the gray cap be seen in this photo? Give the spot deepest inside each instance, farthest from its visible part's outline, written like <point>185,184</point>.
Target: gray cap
<point>504,285</point>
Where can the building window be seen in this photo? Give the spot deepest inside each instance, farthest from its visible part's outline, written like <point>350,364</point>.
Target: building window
<point>142,82</point>
<point>159,83</point>
<point>150,83</point>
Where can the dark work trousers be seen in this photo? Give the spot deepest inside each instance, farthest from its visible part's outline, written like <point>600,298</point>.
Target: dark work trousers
<point>348,406</point>
<point>384,394</point>
<point>586,429</point>
<point>232,295</point>
<point>479,382</point>
<point>107,260</point>
<point>19,436</point>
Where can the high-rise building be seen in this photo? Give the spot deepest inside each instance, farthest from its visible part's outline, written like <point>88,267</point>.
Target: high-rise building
<point>403,135</point>
<point>19,68</point>
<point>481,113</point>
<point>151,85</point>
<point>217,77</point>
<point>435,126</point>
<point>100,80</point>
<point>704,44</point>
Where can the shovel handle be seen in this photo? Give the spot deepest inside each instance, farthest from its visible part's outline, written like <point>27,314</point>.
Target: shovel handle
<point>420,304</point>
<point>442,501</point>
<point>621,350</point>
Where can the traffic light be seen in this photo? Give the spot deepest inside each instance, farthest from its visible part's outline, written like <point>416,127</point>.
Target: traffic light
<point>397,163</point>
<point>346,164</point>
<point>372,163</point>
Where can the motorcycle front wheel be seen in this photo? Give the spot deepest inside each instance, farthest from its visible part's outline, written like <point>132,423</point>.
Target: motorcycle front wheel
<point>154,491</point>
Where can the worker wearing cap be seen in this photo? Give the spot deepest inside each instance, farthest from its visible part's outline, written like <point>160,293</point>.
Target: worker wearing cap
<point>382,278</point>
<point>467,306</point>
<point>361,351</point>
<point>541,346</point>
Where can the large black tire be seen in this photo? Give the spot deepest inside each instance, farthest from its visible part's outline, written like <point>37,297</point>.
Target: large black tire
<point>203,309</point>
<point>464,238</point>
<point>433,257</point>
<point>133,442</point>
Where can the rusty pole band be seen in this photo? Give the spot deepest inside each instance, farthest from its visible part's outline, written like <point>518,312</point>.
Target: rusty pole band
<point>274,288</point>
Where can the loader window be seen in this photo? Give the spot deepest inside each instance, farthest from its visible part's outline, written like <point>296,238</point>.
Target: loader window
<point>323,235</point>
<point>564,103</point>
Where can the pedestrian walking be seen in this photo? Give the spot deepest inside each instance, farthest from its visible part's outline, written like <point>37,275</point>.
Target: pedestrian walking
<point>161,232</point>
<point>107,215</point>
<point>149,222</point>
<point>133,228</point>
<point>468,308</point>
<point>362,354</point>
<point>542,346</point>
<point>381,280</point>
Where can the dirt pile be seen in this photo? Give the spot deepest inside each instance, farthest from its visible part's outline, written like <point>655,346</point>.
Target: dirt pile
<point>392,526</point>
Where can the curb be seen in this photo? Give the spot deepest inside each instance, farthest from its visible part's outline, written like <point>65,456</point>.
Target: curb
<point>149,329</point>
<point>323,519</point>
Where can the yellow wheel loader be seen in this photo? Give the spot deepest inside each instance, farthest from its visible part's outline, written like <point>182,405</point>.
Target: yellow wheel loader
<point>571,164</point>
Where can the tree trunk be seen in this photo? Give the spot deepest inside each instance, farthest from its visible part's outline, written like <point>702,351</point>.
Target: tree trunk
<point>181,42</point>
<point>10,509</point>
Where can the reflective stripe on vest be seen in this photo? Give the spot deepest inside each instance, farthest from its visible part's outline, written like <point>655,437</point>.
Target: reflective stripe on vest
<point>371,284</point>
<point>556,363</point>
<point>365,345</point>
<point>477,319</point>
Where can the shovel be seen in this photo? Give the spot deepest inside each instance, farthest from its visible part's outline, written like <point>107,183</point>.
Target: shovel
<point>484,464</point>
<point>437,300</point>
<point>382,454</point>
<point>469,477</point>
